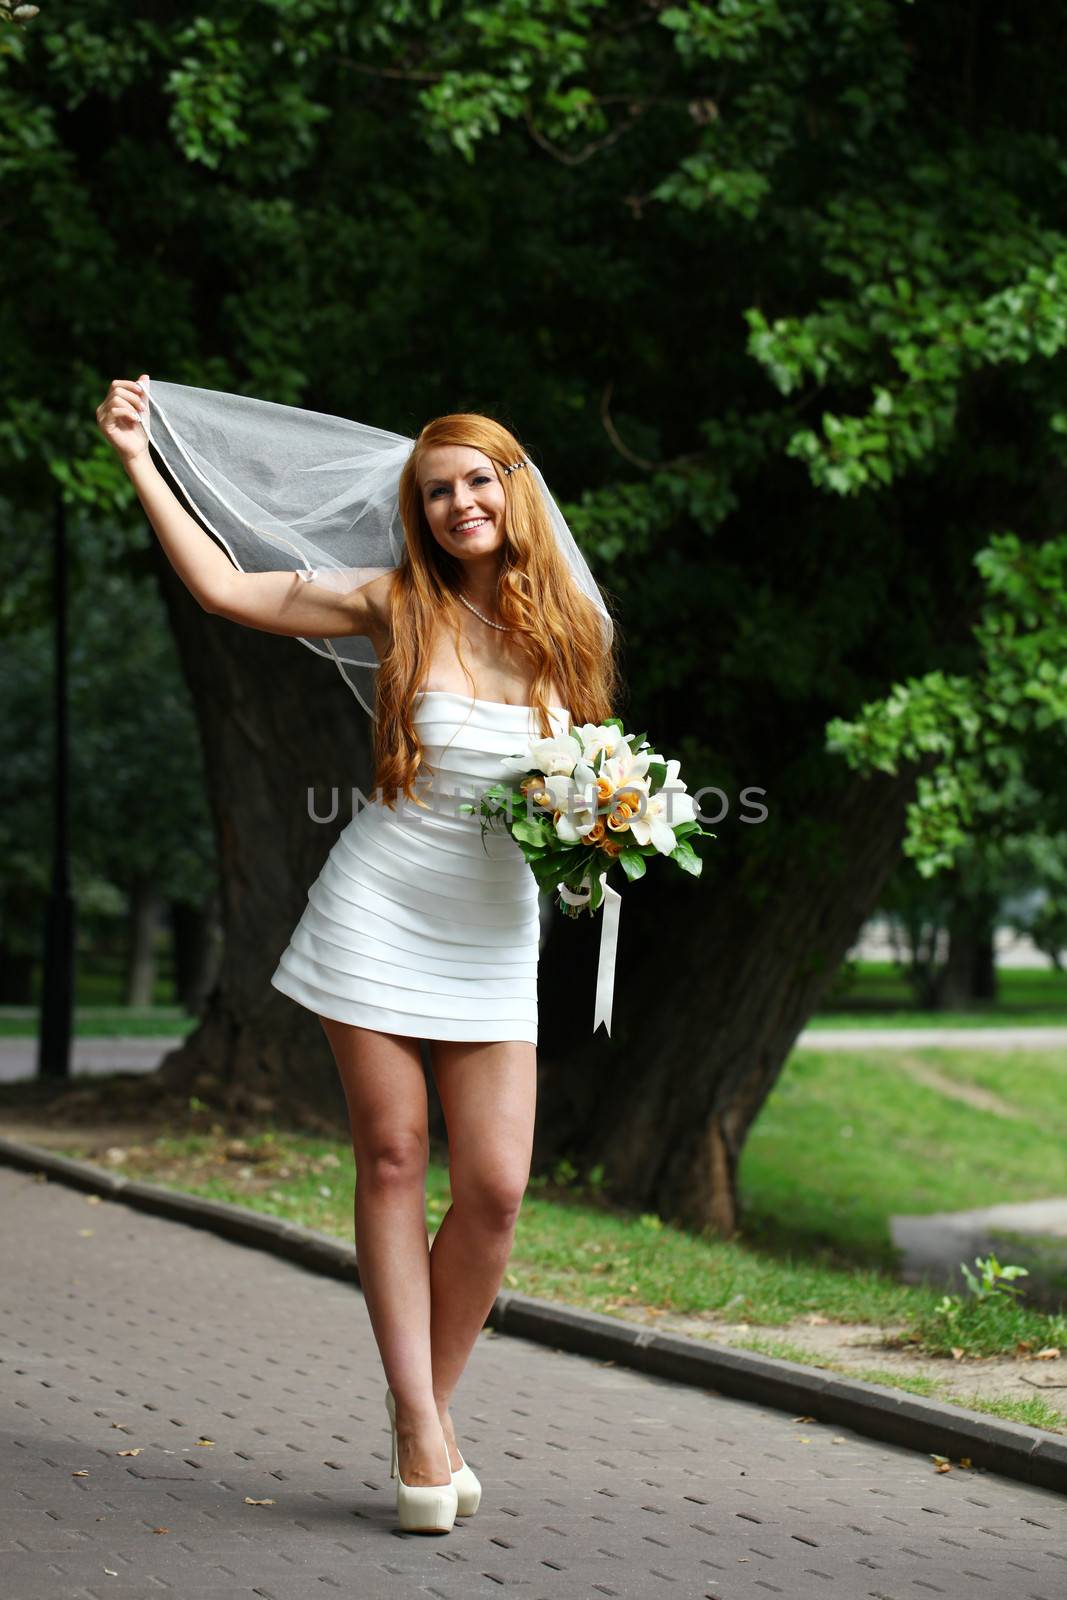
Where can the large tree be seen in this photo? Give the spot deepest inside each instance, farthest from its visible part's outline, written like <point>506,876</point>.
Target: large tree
<point>776,294</point>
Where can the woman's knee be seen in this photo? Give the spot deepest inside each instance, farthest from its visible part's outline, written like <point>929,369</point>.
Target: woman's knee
<point>493,1197</point>
<point>392,1157</point>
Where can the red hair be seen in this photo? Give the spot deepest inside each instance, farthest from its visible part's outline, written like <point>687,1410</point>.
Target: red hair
<point>556,625</point>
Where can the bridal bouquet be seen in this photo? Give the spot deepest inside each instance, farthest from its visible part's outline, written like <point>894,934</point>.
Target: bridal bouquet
<point>582,800</point>
<point>579,801</point>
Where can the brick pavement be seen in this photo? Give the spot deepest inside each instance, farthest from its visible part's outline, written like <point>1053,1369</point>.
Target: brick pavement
<point>149,1335</point>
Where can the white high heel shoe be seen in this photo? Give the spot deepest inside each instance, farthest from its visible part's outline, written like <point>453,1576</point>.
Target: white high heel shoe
<point>467,1487</point>
<point>421,1507</point>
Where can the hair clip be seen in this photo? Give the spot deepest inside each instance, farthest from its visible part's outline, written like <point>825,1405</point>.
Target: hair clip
<point>514,467</point>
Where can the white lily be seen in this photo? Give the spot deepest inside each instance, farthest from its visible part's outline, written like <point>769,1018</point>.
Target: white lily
<point>667,808</point>
<point>573,806</point>
<point>596,736</point>
<point>556,754</point>
<point>626,770</point>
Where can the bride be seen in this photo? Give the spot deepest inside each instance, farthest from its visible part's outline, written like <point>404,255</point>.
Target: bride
<point>416,928</point>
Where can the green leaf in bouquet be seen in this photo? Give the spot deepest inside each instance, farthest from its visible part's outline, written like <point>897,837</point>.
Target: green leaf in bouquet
<point>632,863</point>
<point>529,831</point>
<point>687,857</point>
<point>682,830</point>
<point>656,775</point>
<point>497,793</point>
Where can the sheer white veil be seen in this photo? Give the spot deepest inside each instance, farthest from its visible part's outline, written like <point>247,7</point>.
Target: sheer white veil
<point>285,489</point>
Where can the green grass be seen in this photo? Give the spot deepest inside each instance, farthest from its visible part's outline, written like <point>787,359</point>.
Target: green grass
<point>1035,1412</point>
<point>103,1022</point>
<point>568,1246</point>
<point>874,994</point>
<point>847,1138</point>
<point>815,1224</point>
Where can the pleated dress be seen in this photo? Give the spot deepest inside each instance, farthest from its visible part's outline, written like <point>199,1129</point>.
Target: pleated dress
<point>415,924</point>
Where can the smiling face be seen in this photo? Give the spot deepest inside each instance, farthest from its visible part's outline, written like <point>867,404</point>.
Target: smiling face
<point>463,499</point>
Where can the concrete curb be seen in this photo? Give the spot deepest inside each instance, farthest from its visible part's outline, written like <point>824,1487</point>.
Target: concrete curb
<point>899,1418</point>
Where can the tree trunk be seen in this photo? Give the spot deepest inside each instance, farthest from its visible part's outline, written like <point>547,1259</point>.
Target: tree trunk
<point>197,932</point>
<point>142,925</point>
<point>714,983</point>
<point>274,719</point>
<point>16,977</point>
<point>969,972</point>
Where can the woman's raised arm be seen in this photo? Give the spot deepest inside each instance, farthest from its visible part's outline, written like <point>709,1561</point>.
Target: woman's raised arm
<point>274,602</point>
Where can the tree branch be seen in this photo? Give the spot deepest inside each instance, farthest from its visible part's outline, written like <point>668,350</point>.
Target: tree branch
<point>625,451</point>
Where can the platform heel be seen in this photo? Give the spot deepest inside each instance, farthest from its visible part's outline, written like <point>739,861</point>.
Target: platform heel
<point>467,1487</point>
<point>420,1507</point>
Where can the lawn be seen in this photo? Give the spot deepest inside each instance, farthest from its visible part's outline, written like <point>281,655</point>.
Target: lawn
<point>847,1138</point>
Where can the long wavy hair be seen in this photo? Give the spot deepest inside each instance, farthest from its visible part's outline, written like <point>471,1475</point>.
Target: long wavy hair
<point>556,626</point>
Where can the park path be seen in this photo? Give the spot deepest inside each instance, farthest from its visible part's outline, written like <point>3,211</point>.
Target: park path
<point>948,1038</point>
<point>123,1331</point>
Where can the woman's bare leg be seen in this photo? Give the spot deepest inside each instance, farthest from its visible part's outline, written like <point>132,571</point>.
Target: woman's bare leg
<point>488,1093</point>
<point>382,1077</point>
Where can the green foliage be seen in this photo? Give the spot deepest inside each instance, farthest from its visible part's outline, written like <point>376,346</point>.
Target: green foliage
<point>138,806</point>
<point>993,734</point>
<point>995,1279</point>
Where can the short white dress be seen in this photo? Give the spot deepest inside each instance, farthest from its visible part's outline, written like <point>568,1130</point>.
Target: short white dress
<point>415,925</point>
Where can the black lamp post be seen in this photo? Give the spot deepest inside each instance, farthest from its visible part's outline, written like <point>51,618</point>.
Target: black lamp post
<point>57,989</point>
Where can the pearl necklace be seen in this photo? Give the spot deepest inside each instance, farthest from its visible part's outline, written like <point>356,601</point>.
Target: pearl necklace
<point>484,618</point>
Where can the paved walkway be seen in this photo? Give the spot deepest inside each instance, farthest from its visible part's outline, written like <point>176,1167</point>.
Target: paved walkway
<point>948,1038</point>
<point>123,1331</point>
<point>89,1057</point>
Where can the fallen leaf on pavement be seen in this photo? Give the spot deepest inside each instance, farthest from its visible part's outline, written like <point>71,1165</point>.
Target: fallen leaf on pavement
<point>250,1502</point>
<point>136,1452</point>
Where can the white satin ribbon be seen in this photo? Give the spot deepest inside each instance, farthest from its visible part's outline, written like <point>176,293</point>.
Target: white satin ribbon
<point>609,940</point>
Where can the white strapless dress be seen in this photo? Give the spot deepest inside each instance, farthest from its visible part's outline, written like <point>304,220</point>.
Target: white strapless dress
<point>415,925</point>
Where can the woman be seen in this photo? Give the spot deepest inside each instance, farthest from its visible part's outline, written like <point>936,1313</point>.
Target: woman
<point>417,928</point>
